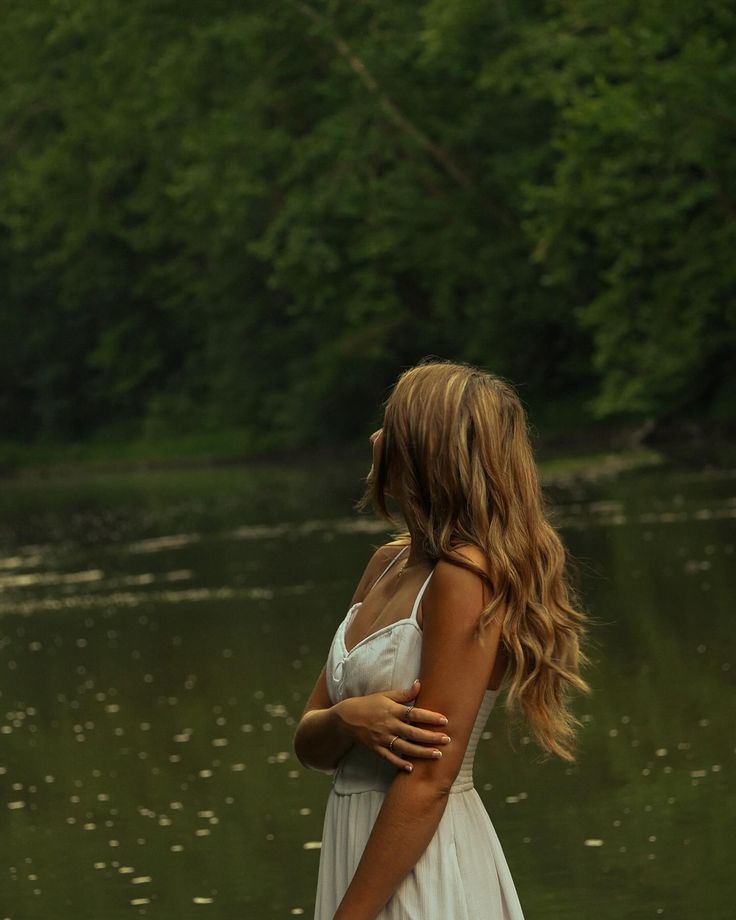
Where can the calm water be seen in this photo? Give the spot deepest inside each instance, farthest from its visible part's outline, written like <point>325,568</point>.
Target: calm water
<point>160,634</point>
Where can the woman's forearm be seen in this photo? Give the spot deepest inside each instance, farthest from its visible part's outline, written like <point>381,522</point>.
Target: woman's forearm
<point>321,739</point>
<point>409,816</point>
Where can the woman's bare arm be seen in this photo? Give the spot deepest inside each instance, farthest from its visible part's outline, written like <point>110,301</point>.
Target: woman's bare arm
<point>320,738</point>
<point>455,670</point>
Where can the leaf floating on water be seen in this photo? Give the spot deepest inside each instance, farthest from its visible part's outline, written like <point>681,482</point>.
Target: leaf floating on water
<point>157,544</point>
<point>313,845</point>
<point>593,842</point>
<point>178,575</point>
<point>276,710</point>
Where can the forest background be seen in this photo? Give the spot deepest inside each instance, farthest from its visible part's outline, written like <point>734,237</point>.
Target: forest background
<point>226,227</point>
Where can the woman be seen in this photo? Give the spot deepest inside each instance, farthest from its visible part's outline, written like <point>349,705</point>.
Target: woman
<point>473,594</point>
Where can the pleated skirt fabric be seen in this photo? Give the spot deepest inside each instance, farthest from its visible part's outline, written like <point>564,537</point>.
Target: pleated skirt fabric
<point>462,874</point>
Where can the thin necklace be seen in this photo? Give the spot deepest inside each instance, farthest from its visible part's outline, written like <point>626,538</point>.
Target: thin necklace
<point>404,567</point>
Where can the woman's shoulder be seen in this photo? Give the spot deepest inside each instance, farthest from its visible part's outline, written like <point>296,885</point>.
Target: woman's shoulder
<point>378,561</point>
<point>472,553</point>
<point>452,574</point>
<point>384,554</point>
<point>396,543</point>
<point>460,587</point>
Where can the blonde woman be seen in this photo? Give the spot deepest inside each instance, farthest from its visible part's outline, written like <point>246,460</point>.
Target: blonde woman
<point>470,599</point>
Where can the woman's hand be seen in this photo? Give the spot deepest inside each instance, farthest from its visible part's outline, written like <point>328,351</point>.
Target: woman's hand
<point>374,719</point>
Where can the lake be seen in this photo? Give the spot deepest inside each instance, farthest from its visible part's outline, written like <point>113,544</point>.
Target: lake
<point>161,631</point>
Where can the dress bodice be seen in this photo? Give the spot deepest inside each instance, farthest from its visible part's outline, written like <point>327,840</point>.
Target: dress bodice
<point>388,658</point>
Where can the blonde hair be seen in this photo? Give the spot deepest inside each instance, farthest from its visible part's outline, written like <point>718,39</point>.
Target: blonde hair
<point>457,457</point>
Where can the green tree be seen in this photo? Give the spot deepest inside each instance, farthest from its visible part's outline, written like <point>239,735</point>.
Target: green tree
<point>635,223</point>
<point>227,215</point>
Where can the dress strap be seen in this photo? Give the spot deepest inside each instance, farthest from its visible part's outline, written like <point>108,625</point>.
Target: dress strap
<point>415,608</point>
<point>386,569</point>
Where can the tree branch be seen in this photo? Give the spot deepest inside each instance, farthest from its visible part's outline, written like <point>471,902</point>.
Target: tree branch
<point>438,153</point>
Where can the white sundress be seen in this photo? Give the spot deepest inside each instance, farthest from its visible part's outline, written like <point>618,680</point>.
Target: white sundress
<point>463,873</point>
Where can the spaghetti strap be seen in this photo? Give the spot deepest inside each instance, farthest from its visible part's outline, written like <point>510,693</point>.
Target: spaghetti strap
<point>463,872</point>
<point>415,608</point>
<point>385,570</point>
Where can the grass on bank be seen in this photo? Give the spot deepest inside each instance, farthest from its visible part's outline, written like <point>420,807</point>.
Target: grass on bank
<point>204,448</point>
<point>239,446</point>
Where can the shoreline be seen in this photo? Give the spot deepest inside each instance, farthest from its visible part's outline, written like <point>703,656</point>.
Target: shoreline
<point>558,469</point>
<point>585,453</point>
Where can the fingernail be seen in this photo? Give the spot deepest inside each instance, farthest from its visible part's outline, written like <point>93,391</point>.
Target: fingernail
<point>409,768</point>
<point>443,721</point>
<point>415,682</point>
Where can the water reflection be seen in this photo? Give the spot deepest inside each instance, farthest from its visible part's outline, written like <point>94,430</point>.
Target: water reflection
<point>157,648</point>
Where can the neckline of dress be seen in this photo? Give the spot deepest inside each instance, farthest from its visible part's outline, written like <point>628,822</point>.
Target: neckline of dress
<point>410,619</point>
<point>378,632</point>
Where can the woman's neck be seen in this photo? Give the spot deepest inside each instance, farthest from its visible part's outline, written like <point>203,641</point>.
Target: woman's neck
<point>415,556</point>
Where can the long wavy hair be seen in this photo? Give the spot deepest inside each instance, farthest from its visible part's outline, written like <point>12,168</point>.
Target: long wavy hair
<point>456,456</point>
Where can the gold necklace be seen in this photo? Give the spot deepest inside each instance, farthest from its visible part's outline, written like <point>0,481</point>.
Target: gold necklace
<point>404,567</point>
<point>401,570</point>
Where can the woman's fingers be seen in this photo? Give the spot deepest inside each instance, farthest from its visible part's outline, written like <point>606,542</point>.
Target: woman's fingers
<point>402,749</point>
<point>421,735</point>
<point>396,760</point>
<point>422,715</point>
<point>403,693</point>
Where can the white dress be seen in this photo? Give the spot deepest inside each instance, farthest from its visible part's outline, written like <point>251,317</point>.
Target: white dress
<point>463,873</point>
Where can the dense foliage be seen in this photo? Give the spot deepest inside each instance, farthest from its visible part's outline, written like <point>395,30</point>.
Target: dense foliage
<point>238,214</point>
